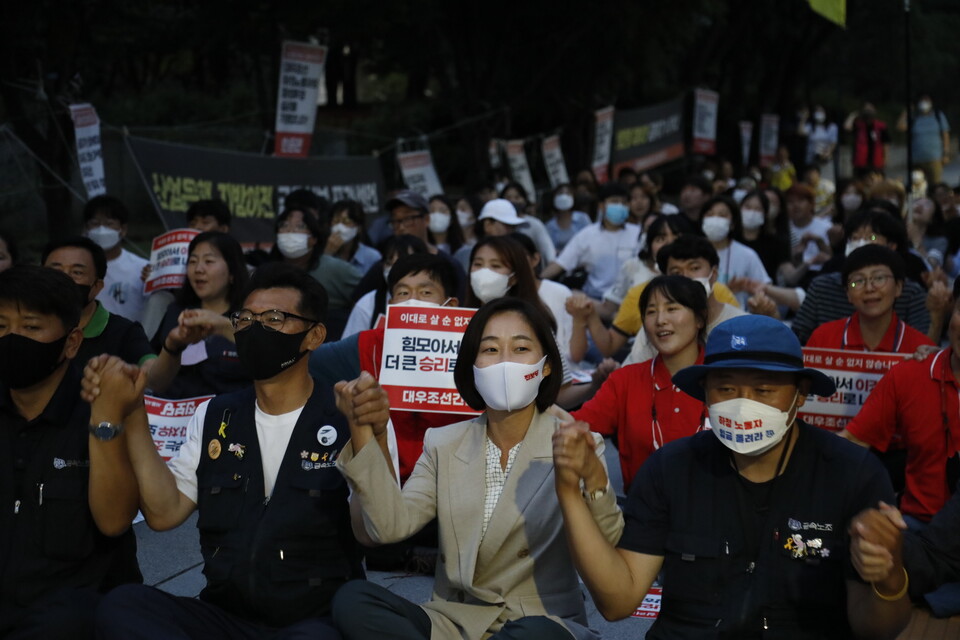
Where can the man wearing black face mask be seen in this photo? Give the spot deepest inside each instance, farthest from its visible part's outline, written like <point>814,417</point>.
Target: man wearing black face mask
<point>54,561</point>
<point>259,466</point>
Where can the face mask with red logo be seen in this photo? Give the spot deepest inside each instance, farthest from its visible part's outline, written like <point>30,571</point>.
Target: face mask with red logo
<point>509,386</point>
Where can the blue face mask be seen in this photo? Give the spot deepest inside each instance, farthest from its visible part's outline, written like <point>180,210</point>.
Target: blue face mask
<point>616,213</point>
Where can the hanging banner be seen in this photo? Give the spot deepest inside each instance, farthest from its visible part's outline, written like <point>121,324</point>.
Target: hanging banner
<point>493,149</point>
<point>168,422</point>
<point>86,128</point>
<point>648,137</point>
<point>746,139</point>
<point>553,161</point>
<point>420,349</point>
<point>855,373</point>
<point>705,107</point>
<point>602,139</point>
<point>253,186</point>
<point>419,173</point>
<point>168,260</point>
<point>769,138</point>
<point>301,66</point>
<point>519,169</point>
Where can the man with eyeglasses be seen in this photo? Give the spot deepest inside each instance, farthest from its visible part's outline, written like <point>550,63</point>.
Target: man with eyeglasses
<point>259,467</point>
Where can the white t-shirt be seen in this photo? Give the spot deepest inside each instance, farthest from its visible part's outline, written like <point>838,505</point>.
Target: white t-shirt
<point>642,349</point>
<point>818,227</point>
<point>601,253</point>
<point>361,315</point>
<point>540,236</point>
<point>633,272</point>
<point>740,261</point>
<point>554,295</point>
<point>122,287</point>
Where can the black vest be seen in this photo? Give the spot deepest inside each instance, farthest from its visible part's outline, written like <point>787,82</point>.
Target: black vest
<point>274,560</point>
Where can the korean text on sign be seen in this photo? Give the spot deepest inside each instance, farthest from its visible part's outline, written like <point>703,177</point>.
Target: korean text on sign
<point>169,254</point>
<point>168,422</point>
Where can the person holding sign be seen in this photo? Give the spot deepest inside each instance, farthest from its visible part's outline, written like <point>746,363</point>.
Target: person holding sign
<point>874,276</point>
<point>745,522</point>
<point>504,569</point>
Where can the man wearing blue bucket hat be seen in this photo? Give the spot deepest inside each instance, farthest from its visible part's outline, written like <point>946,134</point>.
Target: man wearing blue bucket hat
<point>745,523</point>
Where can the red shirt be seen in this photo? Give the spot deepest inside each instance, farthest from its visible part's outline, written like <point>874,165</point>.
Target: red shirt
<point>920,402</point>
<point>845,334</point>
<point>409,426</point>
<point>639,405</point>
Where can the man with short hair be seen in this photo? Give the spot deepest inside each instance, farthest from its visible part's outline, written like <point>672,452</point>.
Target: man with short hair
<point>808,236</point>
<point>694,193</point>
<point>209,215</point>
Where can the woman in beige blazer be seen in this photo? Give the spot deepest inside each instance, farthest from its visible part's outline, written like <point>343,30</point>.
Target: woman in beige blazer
<point>504,569</point>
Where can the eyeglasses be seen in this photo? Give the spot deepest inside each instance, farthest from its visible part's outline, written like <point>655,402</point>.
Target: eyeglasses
<point>271,320</point>
<point>396,223</point>
<point>876,281</point>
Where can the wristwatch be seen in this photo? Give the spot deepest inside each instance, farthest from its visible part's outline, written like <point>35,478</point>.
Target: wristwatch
<point>596,494</point>
<point>105,431</point>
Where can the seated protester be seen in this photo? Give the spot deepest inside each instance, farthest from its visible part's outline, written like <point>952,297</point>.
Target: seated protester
<point>826,298</point>
<point>638,404</point>
<point>375,276</point>
<point>601,248</point>
<point>9,252</point>
<point>809,239</point>
<point>873,275</point>
<point>504,569</point>
<point>532,226</point>
<point>443,230</point>
<point>105,221</point>
<point>348,236</point>
<point>103,332</point>
<point>925,228</point>
<point>57,555</point>
<point>195,341</point>
<point>565,222</point>
<point>468,208</point>
<point>273,512</point>
<point>209,215</point>
<point>743,522</point>
<point>722,225</point>
<point>772,248</point>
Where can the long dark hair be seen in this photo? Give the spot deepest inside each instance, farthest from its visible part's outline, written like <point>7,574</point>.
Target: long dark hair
<point>232,254</point>
<point>454,232</point>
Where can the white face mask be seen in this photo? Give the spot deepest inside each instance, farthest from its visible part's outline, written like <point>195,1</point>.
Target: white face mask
<point>820,116</point>
<point>489,285</point>
<point>925,106</point>
<point>346,233</point>
<point>853,245</point>
<point>851,201</point>
<point>752,218</point>
<point>739,195</point>
<point>439,222</point>
<point>293,245</point>
<point>563,202</point>
<point>105,237</point>
<point>465,218</point>
<point>749,427</point>
<point>716,228</point>
<point>705,283</point>
<point>508,386</point>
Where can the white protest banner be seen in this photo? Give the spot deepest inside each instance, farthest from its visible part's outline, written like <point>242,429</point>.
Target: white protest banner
<point>746,139</point>
<point>493,149</point>
<point>168,422</point>
<point>769,138</point>
<point>301,66</point>
<point>168,260</point>
<point>519,169</point>
<point>650,607</point>
<point>553,161</point>
<point>86,127</point>
<point>420,346</point>
<point>602,139</point>
<point>705,109</point>
<point>856,373</point>
<point>419,173</point>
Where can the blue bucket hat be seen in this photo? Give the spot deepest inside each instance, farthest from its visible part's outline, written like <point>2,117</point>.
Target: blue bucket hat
<point>752,342</point>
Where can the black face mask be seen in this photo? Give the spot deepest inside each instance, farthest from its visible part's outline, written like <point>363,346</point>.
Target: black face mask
<point>84,291</point>
<point>264,353</point>
<point>28,361</point>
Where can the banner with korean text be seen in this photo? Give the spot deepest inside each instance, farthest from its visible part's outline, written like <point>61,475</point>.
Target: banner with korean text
<point>168,422</point>
<point>855,373</point>
<point>419,174</point>
<point>519,169</point>
<point>648,137</point>
<point>769,138</point>
<point>746,140</point>
<point>705,107</point>
<point>301,67</point>
<point>168,260</point>
<point>553,161</point>
<point>86,127</point>
<point>420,347</point>
<point>602,140</point>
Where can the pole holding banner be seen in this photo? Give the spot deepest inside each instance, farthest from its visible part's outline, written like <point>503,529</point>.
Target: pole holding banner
<point>602,139</point>
<point>301,67</point>
<point>86,125</point>
<point>553,161</point>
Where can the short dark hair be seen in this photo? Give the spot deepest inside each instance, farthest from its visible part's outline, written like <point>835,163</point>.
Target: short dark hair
<point>687,247</point>
<point>281,275</point>
<point>215,208</point>
<point>736,225</point>
<point>108,205</point>
<point>232,254</point>
<point>42,290</point>
<point>401,246</point>
<point>306,199</point>
<point>79,242</point>
<point>681,290</point>
<point>613,190</point>
<point>802,192</point>
<point>871,255</point>
<point>698,181</point>
<point>470,348</point>
<point>437,268</point>
<point>678,224</point>
<point>518,188</point>
<point>880,222</point>
<point>7,238</point>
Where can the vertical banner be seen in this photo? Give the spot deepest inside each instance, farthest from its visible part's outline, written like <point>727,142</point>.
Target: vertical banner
<point>301,66</point>
<point>168,422</point>
<point>769,138</point>
<point>553,161</point>
<point>86,127</point>
<point>493,149</point>
<point>746,139</point>
<point>705,108</point>
<point>419,174</point>
<point>168,260</point>
<point>519,168</point>
<point>602,139</point>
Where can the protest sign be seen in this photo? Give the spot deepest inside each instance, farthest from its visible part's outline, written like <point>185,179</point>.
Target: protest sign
<point>419,174</point>
<point>168,422</point>
<point>168,260</point>
<point>519,169</point>
<point>301,66</point>
<point>650,607</point>
<point>602,139</point>
<point>855,373</point>
<point>746,139</point>
<point>769,138</point>
<point>420,346</point>
<point>86,127</point>
<point>648,137</point>
<point>705,109</point>
<point>553,161</point>
<point>493,149</point>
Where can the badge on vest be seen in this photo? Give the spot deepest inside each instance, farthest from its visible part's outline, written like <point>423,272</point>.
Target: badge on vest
<point>237,450</point>
<point>327,435</point>
<point>224,423</point>
<point>213,449</point>
<point>812,548</point>
<point>311,460</point>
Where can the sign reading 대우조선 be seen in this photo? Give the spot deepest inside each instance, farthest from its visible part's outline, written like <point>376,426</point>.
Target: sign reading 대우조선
<point>169,254</point>
<point>420,347</point>
<point>168,422</point>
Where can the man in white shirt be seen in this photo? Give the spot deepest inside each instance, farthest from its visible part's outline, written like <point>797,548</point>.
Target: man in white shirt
<point>808,237</point>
